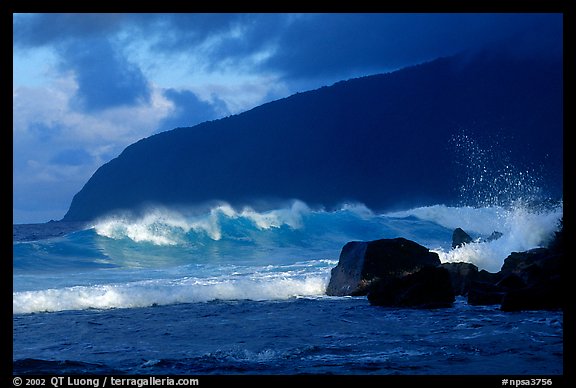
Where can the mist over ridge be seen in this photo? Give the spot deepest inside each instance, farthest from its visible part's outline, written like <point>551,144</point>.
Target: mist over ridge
<point>386,141</point>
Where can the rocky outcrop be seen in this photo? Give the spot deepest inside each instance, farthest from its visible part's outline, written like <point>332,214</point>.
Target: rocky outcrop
<point>460,237</point>
<point>430,287</point>
<point>392,272</point>
<point>528,280</point>
<point>533,266</point>
<point>461,275</point>
<point>494,236</point>
<point>363,262</point>
<point>545,295</point>
<point>539,271</point>
<point>491,288</point>
<point>401,273</point>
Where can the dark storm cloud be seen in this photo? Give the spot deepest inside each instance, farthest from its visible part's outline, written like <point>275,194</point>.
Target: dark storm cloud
<point>181,32</point>
<point>295,46</point>
<point>83,45</point>
<point>105,78</point>
<point>311,45</point>
<point>176,30</point>
<point>231,35</point>
<point>336,43</point>
<point>36,30</point>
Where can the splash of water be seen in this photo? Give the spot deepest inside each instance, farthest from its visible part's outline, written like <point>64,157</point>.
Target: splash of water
<point>490,178</point>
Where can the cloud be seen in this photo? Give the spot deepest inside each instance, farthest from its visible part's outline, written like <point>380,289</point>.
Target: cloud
<point>85,46</point>
<point>188,110</point>
<point>104,81</point>
<point>114,56</point>
<point>44,132</point>
<point>105,78</point>
<point>57,149</point>
<point>303,45</point>
<point>340,44</point>
<point>72,157</point>
<point>43,29</point>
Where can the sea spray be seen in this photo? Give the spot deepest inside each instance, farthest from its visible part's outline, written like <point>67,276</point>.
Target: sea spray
<point>522,228</point>
<point>489,178</point>
<point>496,195</point>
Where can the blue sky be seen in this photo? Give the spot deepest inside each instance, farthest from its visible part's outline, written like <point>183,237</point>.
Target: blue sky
<point>85,86</point>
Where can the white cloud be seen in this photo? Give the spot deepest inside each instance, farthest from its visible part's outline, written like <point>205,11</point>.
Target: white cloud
<point>33,67</point>
<point>234,82</point>
<point>45,126</point>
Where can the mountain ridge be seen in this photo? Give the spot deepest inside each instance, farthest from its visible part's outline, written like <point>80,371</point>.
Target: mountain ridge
<point>382,140</point>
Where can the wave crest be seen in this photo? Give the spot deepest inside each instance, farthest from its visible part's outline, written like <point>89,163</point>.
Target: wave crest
<point>270,285</point>
<point>162,226</point>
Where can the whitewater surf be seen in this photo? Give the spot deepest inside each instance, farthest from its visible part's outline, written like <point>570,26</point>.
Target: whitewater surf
<point>168,257</point>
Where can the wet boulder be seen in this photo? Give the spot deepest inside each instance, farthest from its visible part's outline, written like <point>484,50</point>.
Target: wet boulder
<point>533,266</point>
<point>460,237</point>
<point>493,288</point>
<point>528,280</point>
<point>461,275</point>
<point>430,287</point>
<point>494,236</point>
<point>545,295</point>
<point>484,294</point>
<point>363,262</point>
<point>539,270</point>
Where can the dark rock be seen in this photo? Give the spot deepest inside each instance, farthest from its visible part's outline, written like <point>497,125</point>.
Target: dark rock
<point>539,270</point>
<point>489,277</point>
<point>363,262</point>
<point>511,282</point>
<point>546,295</point>
<point>430,287</point>
<point>461,274</point>
<point>517,262</point>
<point>494,236</point>
<point>347,277</point>
<point>493,287</point>
<point>534,266</point>
<point>528,280</point>
<point>459,238</point>
<point>483,294</point>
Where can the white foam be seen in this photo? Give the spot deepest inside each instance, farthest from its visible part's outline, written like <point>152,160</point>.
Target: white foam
<point>161,226</point>
<point>522,229</point>
<point>269,286</point>
<point>483,220</point>
<point>291,217</point>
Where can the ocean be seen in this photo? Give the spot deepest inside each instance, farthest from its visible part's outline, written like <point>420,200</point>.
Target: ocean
<point>228,291</point>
